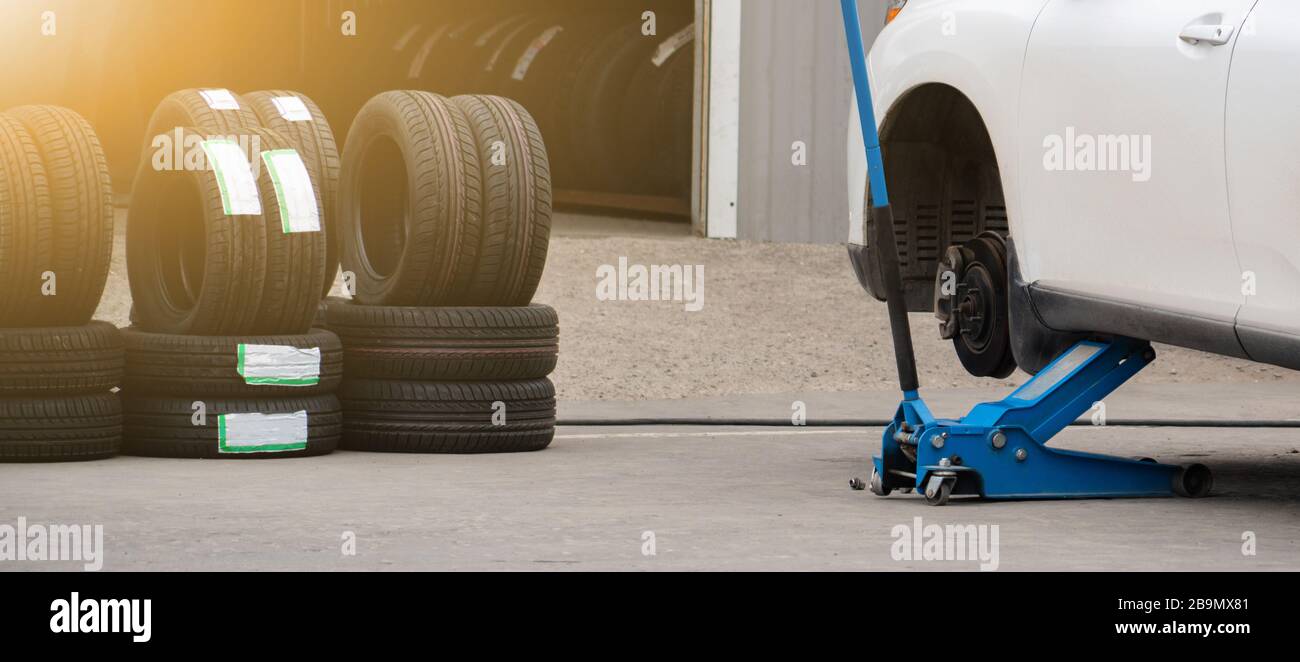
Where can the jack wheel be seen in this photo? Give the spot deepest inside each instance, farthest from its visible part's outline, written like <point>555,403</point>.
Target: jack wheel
<point>878,486</point>
<point>857,485</point>
<point>938,496</point>
<point>1193,481</point>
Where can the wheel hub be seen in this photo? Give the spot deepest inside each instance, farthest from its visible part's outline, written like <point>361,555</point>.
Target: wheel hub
<point>972,312</point>
<point>971,305</point>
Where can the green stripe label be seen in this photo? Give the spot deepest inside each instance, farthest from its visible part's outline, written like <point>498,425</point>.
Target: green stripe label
<point>293,189</point>
<point>279,365</point>
<point>262,433</point>
<point>235,178</point>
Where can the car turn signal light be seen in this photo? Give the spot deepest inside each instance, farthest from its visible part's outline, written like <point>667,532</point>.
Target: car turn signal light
<point>895,6</point>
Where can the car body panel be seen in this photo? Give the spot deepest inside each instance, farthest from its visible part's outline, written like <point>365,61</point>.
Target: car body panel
<point>1263,160</point>
<point>1121,161</point>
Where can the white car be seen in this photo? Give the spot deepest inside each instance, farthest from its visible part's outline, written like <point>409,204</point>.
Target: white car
<point>1062,168</point>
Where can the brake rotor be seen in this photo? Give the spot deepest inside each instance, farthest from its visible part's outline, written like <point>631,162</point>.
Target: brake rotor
<point>971,304</point>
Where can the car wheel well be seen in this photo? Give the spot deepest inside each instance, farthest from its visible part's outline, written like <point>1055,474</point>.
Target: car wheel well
<point>944,184</point>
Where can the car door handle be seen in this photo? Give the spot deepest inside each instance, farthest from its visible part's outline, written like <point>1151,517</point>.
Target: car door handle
<point>1214,35</point>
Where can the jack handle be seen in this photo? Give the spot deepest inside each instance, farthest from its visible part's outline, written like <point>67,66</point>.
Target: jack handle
<point>882,213</point>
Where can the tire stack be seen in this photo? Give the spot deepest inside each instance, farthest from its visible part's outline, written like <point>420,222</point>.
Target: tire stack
<point>228,253</point>
<point>444,220</point>
<point>57,368</point>
<point>614,102</point>
<point>656,102</point>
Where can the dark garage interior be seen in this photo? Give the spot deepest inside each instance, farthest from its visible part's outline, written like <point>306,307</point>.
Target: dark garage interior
<point>614,104</point>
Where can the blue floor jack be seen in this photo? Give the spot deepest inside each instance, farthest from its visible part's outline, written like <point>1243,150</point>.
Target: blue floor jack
<point>999,450</point>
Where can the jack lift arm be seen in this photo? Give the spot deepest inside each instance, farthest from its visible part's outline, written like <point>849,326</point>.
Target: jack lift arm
<point>999,450</point>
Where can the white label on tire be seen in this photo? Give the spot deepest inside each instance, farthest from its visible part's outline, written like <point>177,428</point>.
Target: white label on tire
<point>293,189</point>
<point>417,63</point>
<point>292,109</point>
<point>672,44</point>
<point>235,178</point>
<point>534,49</point>
<point>219,99</point>
<point>484,38</point>
<point>279,365</point>
<point>406,37</point>
<point>262,433</point>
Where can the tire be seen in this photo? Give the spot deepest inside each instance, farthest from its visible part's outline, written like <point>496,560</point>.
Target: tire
<point>26,226</point>
<point>313,139</point>
<point>433,50</point>
<point>639,110</point>
<point>446,344</point>
<point>657,106</point>
<point>403,52</point>
<point>180,109</point>
<point>406,45</point>
<point>79,427</point>
<point>488,43</point>
<point>163,427</point>
<point>426,49</point>
<point>456,73</point>
<point>81,195</point>
<point>409,200</point>
<point>676,93</point>
<point>57,361</point>
<point>192,269</point>
<point>188,108</point>
<point>593,122</point>
<point>516,201</point>
<point>549,54</point>
<point>208,366</point>
<point>500,62</point>
<point>592,135</point>
<point>442,417</point>
<point>295,261</point>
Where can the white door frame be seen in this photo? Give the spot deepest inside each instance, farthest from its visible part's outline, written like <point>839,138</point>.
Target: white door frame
<point>715,189</point>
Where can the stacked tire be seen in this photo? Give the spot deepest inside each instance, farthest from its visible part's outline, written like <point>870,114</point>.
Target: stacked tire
<point>614,100</point>
<point>444,221</point>
<point>58,369</point>
<point>229,252</point>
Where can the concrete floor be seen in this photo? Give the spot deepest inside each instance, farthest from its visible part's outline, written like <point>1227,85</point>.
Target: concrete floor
<point>782,324</point>
<point>714,498</point>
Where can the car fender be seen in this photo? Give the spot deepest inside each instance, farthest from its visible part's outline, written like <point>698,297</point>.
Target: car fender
<point>975,46</point>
